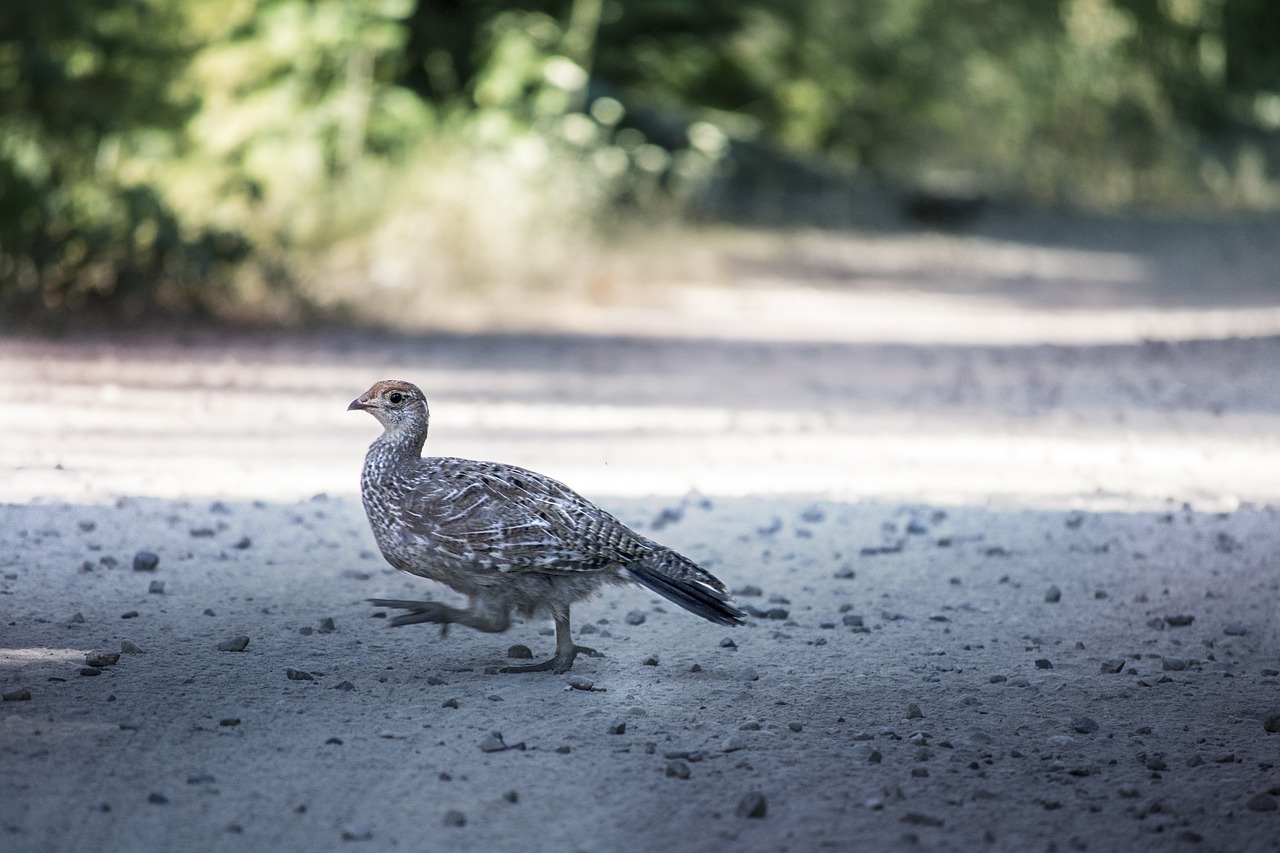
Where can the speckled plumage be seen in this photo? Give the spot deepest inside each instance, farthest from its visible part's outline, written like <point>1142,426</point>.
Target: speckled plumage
<point>508,538</point>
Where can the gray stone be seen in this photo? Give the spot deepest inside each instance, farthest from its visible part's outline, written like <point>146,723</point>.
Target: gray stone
<point>1262,802</point>
<point>678,769</point>
<point>235,644</point>
<point>356,832</point>
<point>752,805</point>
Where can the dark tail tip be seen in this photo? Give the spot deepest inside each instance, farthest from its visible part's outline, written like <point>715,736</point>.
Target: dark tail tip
<point>709,603</point>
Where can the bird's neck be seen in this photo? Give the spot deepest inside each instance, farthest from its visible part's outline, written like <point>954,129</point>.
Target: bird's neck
<point>395,446</point>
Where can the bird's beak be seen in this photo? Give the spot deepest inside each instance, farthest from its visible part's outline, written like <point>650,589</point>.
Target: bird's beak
<point>358,404</point>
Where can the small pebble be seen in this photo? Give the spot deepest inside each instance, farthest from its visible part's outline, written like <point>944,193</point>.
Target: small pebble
<point>129,614</point>
<point>997,679</point>
<point>577,682</point>
<point>1053,595</point>
<point>520,652</point>
<point>235,644</point>
<point>728,643</point>
<point>455,818</point>
<point>156,798</point>
<point>145,561</point>
<point>1111,667</point>
<point>1173,664</point>
<point>356,832</point>
<point>618,727</point>
<point>20,695</point>
<point>1044,663</point>
<point>1271,724</point>
<point>635,617</point>
<point>1180,620</point>
<point>919,819</point>
<point>844,573</point>
<point>749,591</point>
<point>1084,725</point>
<point>651,660</point>
<point>229,721</point>
<point>868,753</point>
<point>493,743</point>
<point>101,659</point>
<point>156,588</point>
<point>852,620</point>
<point>796,727</point>
<point>451,702</point>
<point>90,670</point>
<point>1235,629</point>
<point>678,769</point>
<point>778,613</point>
<point>813,515</point>
<point>1262,802</point>
<point>914,712</point>
<point>76,619</point>
<point>344,686</point>
<point>129,647</point>
<point>511,796</point>
<point>752,805</point>
<point>327,625</point>
<point>733,743</point>
<point>242,543</point>
<point>298,675</point>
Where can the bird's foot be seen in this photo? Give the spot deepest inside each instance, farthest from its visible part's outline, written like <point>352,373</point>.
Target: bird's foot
<point>419,611</point>
<point>560,664</point>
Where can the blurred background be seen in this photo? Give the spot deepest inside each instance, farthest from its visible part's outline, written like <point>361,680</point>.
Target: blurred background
<point>377,160</point>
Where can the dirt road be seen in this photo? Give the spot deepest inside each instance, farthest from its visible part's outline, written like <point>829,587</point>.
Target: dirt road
<point>1012,589</point>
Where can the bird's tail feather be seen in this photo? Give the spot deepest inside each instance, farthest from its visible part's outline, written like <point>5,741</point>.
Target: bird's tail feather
<point>682,581</point>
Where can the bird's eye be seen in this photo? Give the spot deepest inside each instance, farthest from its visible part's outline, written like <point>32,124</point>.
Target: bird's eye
<point>396,398</point>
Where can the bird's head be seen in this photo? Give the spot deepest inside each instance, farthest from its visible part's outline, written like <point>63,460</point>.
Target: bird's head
<point>395,404</point>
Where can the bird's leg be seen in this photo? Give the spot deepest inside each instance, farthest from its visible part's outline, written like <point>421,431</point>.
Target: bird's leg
<point>489,620</point>
<point>566,651</point>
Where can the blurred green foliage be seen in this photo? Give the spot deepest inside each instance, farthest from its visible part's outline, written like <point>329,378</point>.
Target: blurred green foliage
<point>234,156</point>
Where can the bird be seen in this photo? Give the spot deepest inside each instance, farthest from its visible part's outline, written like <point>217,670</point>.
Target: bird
<point>507,538</point>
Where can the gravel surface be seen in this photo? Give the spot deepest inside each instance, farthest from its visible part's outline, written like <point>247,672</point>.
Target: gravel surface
<point>1002,597</point>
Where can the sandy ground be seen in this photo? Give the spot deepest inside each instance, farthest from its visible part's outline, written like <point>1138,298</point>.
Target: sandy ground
<point>1002,505</point>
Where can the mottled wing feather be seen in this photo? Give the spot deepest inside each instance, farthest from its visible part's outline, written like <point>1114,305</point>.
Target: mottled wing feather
<point>502,518</point>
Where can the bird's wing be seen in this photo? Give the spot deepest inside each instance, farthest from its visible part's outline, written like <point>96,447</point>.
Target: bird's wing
<point>502,518</point>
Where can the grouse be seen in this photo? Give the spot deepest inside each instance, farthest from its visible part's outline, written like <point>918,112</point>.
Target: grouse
<point>507,538</point>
